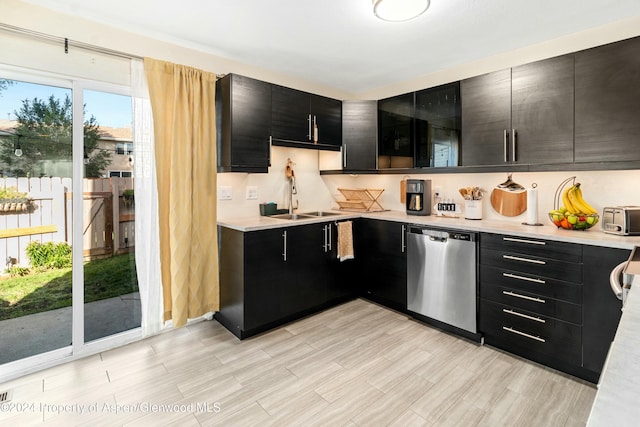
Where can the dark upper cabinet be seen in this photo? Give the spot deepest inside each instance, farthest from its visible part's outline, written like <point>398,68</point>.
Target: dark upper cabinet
<point>542,111</point>
<point>243,123</point>
<point>294,114</point>
<point>437,126</point>
<point>607,82</point>
<point>396,131</point>
<point>486,118</point>
<point>359,135</point>
<point>522,115</point>
<point>327,114</point>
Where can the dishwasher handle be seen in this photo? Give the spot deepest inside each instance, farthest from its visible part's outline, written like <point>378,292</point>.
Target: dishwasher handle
<point>442,236</point>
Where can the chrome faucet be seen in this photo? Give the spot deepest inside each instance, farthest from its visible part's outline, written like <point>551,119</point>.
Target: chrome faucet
<point>292,191</point>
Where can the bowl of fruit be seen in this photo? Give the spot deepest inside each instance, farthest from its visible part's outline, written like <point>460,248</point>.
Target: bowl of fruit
<point>575,213</point>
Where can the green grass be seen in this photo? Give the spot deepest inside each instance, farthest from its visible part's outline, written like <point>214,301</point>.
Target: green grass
<point>48,290</point>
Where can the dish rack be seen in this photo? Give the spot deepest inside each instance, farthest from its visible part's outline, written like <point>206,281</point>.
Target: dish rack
<point>361,200</point>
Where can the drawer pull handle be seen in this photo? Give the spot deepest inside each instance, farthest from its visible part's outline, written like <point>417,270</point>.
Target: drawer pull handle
<point>514,331</point>
<point>528,279</point>
<point>526,316</point>
<point>513,294</point>
<point>517,258</point>
<point>531,242</point>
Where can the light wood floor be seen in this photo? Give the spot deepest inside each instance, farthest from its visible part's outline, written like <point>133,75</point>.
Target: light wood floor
<point>357,364</point>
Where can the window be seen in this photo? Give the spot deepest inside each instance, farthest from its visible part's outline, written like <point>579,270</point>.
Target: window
<point>120,174</point>
<point>124,148</point>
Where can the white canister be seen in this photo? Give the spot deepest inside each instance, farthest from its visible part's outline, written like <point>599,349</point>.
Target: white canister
<point>473,209</point>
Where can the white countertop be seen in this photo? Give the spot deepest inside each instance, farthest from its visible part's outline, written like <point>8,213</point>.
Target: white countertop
<point>617,400</point>
<point>548,231</point>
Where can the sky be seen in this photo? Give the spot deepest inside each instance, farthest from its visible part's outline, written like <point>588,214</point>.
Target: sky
<point>109,109</point>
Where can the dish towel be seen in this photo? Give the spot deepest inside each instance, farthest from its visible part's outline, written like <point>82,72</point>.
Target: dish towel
<point>345,240</point>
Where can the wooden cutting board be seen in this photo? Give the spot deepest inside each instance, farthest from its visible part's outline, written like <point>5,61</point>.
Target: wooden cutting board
<point>509,203</point>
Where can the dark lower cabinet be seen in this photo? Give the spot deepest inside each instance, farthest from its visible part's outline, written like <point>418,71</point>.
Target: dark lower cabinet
<point>601,308</point>
<point>382,262</point>
<point>557,309</point>
<point>270,277</point>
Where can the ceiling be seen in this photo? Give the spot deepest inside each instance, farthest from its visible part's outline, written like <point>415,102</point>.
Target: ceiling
<point>339,43</point>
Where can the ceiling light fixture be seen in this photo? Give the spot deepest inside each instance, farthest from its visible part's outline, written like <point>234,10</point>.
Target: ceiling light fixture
<point>399,10</point>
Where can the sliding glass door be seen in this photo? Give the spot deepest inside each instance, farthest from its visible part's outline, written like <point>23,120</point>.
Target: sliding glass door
<point>67,217</point>
<point>35,217</point>
<point>111,297</point>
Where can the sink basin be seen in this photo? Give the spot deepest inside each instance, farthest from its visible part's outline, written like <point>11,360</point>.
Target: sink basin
<point>320,213</point>
<point>292,217</point>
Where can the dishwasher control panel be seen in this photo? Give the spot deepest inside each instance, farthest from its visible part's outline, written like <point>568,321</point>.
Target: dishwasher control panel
<point>443,235</point>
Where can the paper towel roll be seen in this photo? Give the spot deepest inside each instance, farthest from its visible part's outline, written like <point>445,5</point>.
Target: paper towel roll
<point>532,206</point>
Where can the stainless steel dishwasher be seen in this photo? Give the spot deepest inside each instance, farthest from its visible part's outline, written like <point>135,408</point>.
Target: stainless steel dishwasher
<point>441,276</point>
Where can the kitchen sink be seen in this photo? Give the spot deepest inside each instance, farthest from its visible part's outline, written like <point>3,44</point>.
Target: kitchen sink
<point>320,213</point>
<point>292,217</point>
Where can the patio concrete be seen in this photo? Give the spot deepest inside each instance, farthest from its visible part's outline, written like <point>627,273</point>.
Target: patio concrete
<point>41,332</point>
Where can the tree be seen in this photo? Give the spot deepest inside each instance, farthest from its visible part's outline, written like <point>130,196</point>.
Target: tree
<point>4,84</point>
<point>44,132</point>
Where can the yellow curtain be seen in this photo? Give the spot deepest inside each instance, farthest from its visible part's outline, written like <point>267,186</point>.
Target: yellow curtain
<point>183,106</point>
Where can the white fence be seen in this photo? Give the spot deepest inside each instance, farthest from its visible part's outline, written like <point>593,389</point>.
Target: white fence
<point>108,219</point>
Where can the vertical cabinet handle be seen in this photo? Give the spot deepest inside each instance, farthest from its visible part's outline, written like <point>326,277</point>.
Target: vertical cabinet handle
<point>330,238</point>
<point>270,144</point>
<point>505,138</point>
<point>324,241</point>
<point>309,120</point>
<point>284,245</point>
<point>513,145</point>
<point>344,155</point>
<point>404,228</point>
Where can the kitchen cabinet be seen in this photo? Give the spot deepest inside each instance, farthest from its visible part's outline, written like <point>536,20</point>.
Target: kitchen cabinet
<point>359,135</point>
<point>294,114</point>
<point>243,122</point>
<point>601,308</point>
<point>531,299</point>
<point>382,262</point>
<point>549,301</point>
<point>270,277</point>
<point>437,126</point>
<point>522,115</point>
<point>396,131</point>
<point>607,90</point>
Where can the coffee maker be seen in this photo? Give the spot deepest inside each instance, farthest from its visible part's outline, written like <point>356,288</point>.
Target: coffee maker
<point>418,197</point>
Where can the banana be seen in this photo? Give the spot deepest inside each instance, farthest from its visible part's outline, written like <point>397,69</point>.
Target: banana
<point>585,205</point>
<point>567,202</point>
<point>577,202</point>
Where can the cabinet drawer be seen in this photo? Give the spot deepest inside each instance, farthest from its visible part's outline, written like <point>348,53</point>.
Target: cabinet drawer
<point>533,303</point>
<point>531,264</point>
<point>561,251</point>
<point>525,333</point>
<point>531,283</point>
